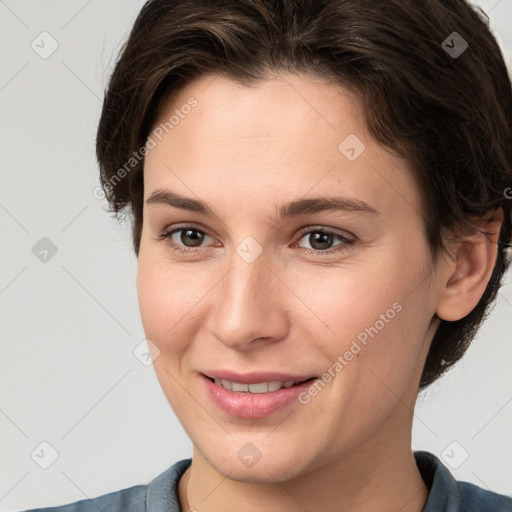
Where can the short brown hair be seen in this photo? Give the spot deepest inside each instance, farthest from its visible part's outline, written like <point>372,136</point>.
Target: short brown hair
<point>449,115</point>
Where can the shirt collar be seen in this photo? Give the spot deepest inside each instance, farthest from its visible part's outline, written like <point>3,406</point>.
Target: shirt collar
<point>444,493</point>
<point>162,492</point>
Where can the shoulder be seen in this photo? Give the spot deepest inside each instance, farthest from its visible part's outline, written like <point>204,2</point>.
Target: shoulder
<point>130,500</point>
<point>159,495</point>
<point>450,495</point>
<point>476,499</point>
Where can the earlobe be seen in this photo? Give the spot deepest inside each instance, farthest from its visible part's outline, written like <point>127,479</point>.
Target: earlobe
<point>466,277</point>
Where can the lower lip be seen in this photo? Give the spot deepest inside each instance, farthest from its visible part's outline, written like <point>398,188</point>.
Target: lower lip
<point>252,405</point>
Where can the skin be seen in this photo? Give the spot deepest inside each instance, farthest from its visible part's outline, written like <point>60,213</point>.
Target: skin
<point>245,151</point>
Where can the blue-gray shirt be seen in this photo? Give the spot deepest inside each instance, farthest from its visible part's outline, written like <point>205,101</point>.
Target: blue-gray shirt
<point>160,495</point>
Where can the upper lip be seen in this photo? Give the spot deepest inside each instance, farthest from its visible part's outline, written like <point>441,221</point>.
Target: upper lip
<point>254,377</point>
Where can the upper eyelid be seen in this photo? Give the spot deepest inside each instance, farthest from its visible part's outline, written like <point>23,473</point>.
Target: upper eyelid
<point>173,229</point>
<point>325,229</point>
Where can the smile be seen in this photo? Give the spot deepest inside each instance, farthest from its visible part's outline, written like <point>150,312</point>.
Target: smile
<point>258,387</point>
<point>253,400</point>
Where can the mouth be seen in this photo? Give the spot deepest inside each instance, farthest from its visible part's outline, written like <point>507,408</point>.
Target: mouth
<point>257,399</point>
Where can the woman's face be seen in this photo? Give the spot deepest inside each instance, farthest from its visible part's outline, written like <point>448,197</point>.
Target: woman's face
<point>295,249</point>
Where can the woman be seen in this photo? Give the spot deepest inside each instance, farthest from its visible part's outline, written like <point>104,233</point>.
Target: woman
<point>321,214</point>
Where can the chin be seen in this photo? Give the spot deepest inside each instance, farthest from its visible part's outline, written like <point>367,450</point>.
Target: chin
<point>276,466</point>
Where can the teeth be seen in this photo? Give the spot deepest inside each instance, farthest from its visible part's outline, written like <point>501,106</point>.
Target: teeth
<point>235,386</point>
<point>225,383</point>
<point>258,387</point>
<point>275,385</point>
<point>262,387</point>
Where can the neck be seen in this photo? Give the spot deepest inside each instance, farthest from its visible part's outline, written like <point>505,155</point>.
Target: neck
<point>383,478</point>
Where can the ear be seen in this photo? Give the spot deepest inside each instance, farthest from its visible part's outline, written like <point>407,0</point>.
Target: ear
<point>467,275</point>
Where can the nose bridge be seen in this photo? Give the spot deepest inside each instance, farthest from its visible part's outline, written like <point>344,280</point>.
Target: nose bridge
<point>248,303</point>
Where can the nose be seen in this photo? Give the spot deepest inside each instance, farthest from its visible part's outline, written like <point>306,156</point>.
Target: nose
<point>249,305</point>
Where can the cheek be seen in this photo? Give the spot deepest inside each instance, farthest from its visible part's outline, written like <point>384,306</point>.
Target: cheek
<point>342,301</point>
<point>370,318</point>
<point>369,360</point>
<point>167,296</point>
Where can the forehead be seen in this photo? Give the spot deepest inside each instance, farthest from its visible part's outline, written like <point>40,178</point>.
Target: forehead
<point>288,133</point>
<point>282,104</point>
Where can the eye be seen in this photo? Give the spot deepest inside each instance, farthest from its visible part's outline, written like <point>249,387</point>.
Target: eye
<point>323,241</point>
<point>185,239</point>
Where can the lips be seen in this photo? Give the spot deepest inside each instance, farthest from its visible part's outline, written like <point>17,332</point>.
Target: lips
<point>246,404</point>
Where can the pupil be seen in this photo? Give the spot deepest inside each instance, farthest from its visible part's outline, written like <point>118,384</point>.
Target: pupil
<point>192,234</point>
<point>320,240</point>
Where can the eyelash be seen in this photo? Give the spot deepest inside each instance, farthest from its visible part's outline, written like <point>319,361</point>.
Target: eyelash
<point>344,246</point>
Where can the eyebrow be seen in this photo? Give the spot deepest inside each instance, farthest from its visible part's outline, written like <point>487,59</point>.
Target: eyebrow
<point>290,209</point>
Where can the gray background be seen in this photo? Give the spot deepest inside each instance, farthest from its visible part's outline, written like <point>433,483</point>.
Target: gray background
<point>69,326</point>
